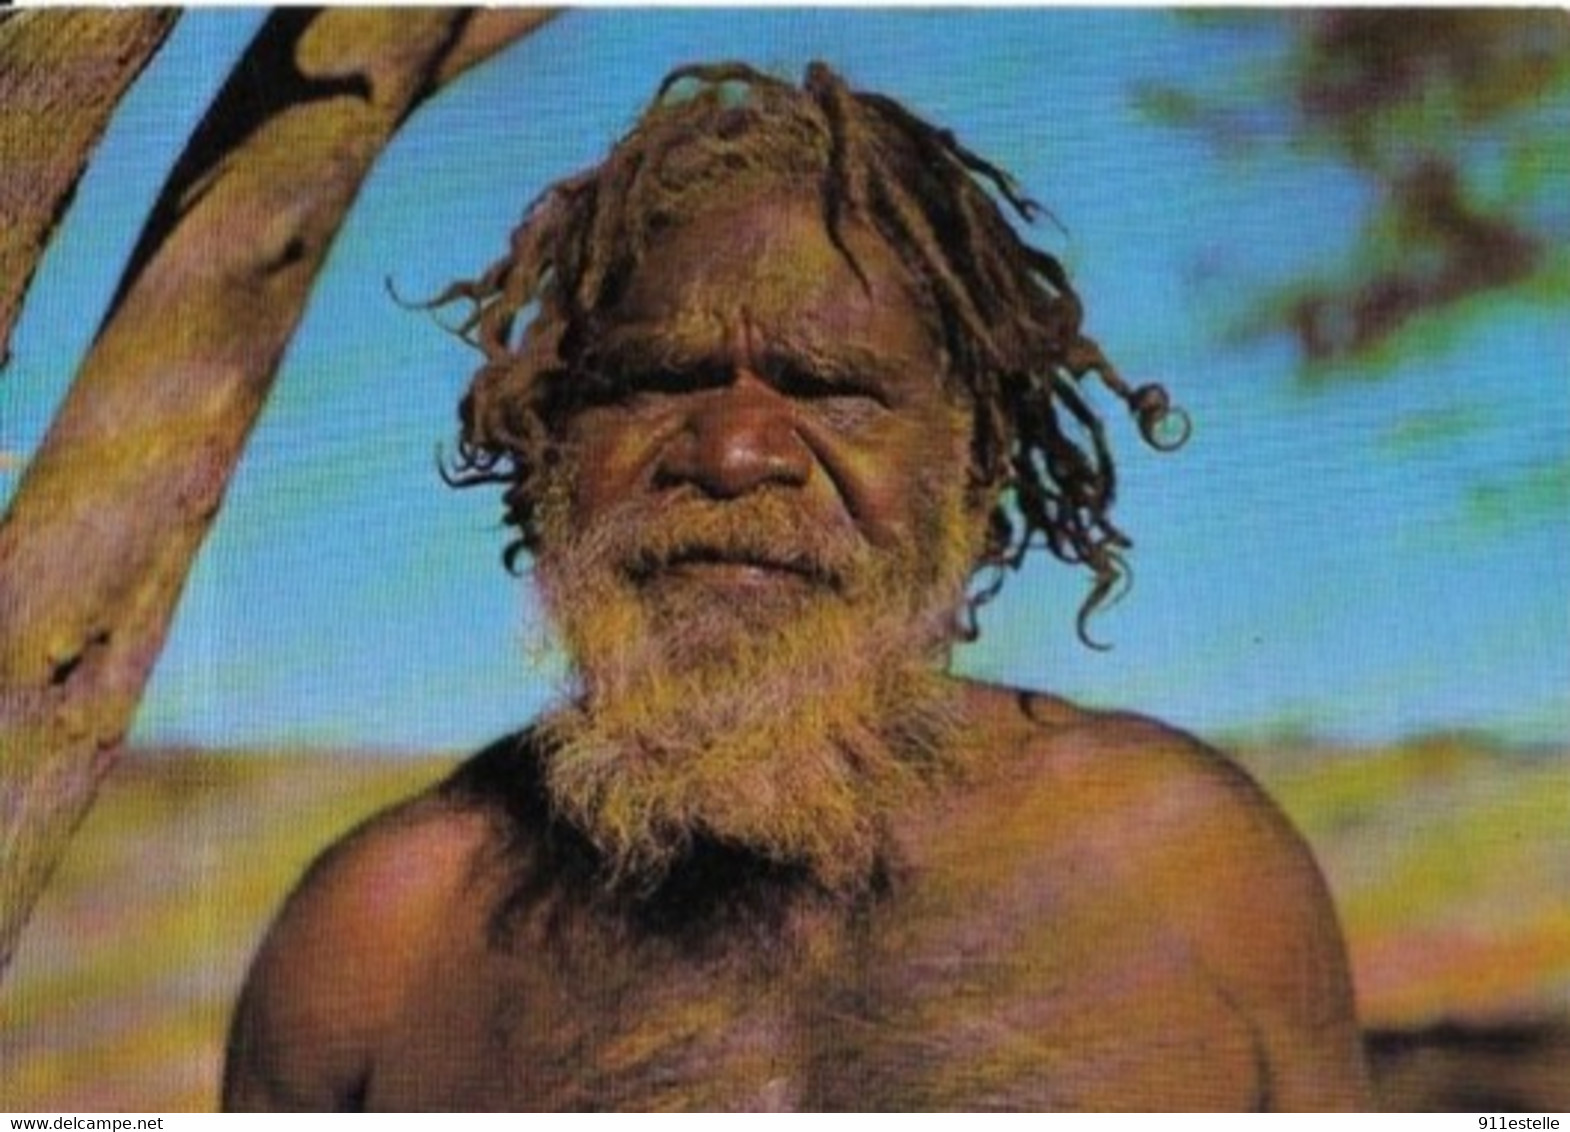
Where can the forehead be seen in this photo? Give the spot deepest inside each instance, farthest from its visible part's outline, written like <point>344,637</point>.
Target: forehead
<point>767,269</point>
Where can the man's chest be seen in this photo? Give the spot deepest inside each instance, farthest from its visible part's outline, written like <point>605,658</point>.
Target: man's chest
<point>915,1020</point>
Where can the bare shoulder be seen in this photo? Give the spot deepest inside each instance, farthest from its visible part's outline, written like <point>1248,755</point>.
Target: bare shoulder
<point>1190,831</point>
<point>1182,830</point>
<point>1140,795</point>
<point>347,945</point>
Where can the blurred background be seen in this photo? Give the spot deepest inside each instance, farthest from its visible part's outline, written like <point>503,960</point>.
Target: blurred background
<point>1341,239</point>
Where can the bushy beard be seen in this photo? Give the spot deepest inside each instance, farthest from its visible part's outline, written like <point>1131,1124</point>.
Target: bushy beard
<point>790,722</point>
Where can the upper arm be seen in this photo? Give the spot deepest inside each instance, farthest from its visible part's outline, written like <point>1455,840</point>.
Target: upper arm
<point>332,974</point>
<point>1242,888</point>
<point>1273,929</point>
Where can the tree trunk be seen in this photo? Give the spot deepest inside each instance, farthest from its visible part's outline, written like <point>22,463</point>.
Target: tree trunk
<point>107,521</point>
<point>61,75</point>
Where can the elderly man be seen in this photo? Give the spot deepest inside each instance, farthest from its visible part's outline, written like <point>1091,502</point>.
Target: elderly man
<point>770,390</point>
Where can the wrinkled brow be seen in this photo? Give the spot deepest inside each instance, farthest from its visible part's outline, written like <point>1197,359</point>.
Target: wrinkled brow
<point>628,350</point>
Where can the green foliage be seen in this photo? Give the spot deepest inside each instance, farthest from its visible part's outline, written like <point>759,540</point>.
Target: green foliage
<point>1539,490</point>
<point>1422,431</point>
<point>1457,121</point>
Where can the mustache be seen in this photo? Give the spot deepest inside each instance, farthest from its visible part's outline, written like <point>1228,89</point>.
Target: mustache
<point>764,530</point>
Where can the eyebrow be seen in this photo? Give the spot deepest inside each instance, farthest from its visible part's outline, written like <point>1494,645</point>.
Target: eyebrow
<point>631,349</point>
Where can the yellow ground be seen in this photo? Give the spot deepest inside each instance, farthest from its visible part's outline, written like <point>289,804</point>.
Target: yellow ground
<point>1450,863</point>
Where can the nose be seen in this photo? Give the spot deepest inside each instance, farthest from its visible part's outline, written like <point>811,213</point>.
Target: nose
<point>738,438</point>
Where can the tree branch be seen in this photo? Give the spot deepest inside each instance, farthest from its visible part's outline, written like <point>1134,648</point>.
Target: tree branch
<point>108,519</point>
<point>61,75</point>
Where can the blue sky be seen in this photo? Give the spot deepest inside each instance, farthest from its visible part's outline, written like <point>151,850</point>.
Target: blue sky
<point>1361,562</point>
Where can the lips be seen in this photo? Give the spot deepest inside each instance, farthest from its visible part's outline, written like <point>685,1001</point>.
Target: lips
<point>727,567</point>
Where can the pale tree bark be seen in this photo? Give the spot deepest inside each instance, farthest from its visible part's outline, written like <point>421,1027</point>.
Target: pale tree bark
<point>61,75</point>
<point>109,516</point>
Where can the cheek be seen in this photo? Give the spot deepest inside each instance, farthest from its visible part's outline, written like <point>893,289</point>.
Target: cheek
<point>610,456</point>
<point>890,485</point>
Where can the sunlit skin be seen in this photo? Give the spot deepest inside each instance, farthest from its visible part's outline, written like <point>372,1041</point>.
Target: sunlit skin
<point>780,371</point>
<point>1097,913</point>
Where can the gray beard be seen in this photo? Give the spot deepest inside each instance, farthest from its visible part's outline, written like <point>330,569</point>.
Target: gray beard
<point>792,728</point>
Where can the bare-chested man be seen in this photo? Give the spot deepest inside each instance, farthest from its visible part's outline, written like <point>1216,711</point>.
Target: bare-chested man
<point>791,393</point>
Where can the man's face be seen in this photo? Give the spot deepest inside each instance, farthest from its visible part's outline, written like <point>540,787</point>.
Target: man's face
<point>755,549</point>
<point>748,367</point>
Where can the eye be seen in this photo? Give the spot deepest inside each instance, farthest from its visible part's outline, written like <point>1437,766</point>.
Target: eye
<point>847,411</point>
<point>643,388</point>
<point>841,402</point>
<point>673,382</point>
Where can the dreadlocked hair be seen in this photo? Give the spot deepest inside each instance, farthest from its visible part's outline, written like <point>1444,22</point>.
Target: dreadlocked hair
<point>1005,311</point>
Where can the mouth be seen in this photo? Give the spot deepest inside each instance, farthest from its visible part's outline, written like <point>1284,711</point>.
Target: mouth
<point>734,568</point>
